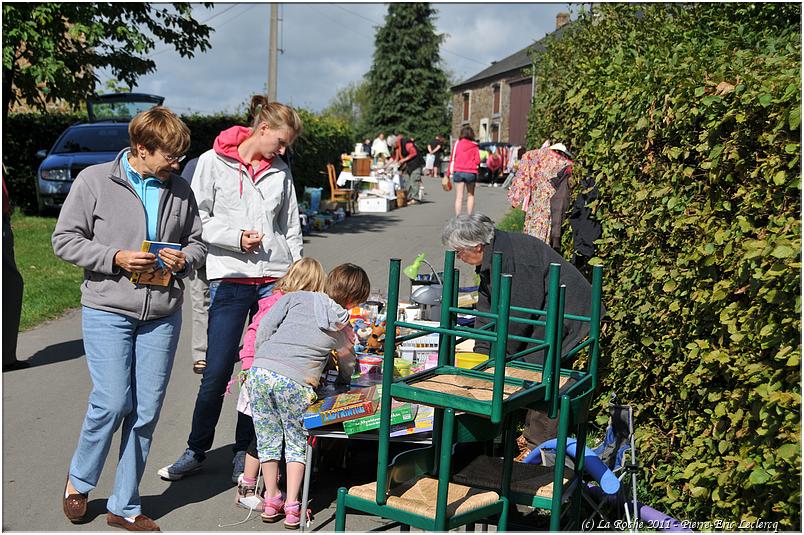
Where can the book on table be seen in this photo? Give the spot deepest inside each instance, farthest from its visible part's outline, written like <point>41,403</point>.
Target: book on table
<point>341,407</point>
<point>422,423</point>
<point>401,412</point>
<point>160,275</point>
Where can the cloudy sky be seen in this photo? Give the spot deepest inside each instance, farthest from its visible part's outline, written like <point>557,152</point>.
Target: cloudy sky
<point>327,46</point>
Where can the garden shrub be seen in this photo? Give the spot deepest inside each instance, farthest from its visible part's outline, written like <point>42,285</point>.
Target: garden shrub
<point>322,141</point>
<point>688,116</point>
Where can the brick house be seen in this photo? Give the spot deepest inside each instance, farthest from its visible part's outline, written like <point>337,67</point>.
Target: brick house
<point>496,101</point>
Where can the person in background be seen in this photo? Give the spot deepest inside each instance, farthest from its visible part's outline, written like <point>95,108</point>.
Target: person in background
<point>247,203</point>
<point>411,163</point>
<point>463,162</point>
<point>494,164</point>
<point>379,148</point>
<point>12,292</point>
<point>304,275</point>
<point>436,148</point>
<point>293,345</point>
<point>367,146</point>
<point>130,330</point>
<point>474,238</point>
<point>199,295</point>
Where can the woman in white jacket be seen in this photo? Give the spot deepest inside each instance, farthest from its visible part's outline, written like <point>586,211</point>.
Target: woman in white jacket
<point>250,218</point>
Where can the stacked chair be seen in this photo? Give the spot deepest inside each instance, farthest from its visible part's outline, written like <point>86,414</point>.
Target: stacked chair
<point>422,488</point>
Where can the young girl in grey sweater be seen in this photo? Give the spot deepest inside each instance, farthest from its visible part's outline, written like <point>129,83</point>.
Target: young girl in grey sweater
<point>294,341</point>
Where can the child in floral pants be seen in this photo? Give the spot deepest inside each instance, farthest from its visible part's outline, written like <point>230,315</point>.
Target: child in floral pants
<point>304,274</point>
<point>294,341</point>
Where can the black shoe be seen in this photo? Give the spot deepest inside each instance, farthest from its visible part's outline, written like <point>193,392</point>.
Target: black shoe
<point>16,365</point>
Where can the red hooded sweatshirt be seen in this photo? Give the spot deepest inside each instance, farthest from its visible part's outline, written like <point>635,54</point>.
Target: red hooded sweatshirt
<point>226,145</point>
<point>465,157</point>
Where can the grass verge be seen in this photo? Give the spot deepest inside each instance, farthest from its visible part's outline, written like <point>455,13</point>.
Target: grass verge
<point>513,221</point>
<point>52,286</point>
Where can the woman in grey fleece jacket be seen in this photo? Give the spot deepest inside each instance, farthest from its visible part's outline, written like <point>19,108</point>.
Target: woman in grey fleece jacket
<point>130,330</point>
<point>294,341</point>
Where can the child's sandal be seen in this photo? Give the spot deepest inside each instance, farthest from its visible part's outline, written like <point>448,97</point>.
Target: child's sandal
<point>293,515</point>
<point>246,496</point>
<point>273,509</point>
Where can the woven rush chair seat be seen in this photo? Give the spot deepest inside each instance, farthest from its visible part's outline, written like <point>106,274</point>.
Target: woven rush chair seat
<point>419,497</point>
<point>535,376</point>
<point>467,387</point>
<point>532,479</point>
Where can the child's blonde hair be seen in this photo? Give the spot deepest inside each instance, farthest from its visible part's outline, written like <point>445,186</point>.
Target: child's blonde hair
<point>304,274</point>
<point>347,285</point>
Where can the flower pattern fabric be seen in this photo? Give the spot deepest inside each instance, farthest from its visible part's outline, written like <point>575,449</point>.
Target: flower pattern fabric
<point>532,189</point>
<point>278,405</point>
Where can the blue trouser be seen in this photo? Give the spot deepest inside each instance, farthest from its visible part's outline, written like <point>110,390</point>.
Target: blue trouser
<point>230,305</point>
<point>129,362</point>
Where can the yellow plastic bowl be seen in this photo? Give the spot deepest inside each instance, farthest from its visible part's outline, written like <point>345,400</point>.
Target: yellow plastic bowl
<point>469,360</point>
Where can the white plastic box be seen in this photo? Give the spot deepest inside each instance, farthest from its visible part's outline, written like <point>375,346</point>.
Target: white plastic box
<point>374,204</point>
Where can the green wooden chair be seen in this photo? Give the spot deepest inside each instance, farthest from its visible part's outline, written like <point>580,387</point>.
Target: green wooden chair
<point>487,390</point>
<point>533,485</point>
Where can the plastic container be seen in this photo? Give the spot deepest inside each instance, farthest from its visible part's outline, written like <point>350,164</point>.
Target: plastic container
<point>370,365</point>
<point>402,367</point>
<point>315,197</point>
<point>469,360</point>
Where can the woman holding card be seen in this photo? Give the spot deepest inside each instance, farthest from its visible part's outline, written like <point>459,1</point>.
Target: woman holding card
<point>130,330</point>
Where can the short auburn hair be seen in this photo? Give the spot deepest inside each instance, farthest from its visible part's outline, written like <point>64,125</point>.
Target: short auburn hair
<point>159,128</point>
<point>347,285</point>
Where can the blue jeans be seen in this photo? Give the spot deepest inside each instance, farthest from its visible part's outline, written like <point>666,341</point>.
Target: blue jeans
<point>129,362</point>
<point>230,305</point>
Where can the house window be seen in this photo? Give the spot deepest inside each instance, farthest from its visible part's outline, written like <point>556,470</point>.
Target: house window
<point>496,99</point>
<point>466,107</point>
<point>495,132</point>
<point>484,130</point>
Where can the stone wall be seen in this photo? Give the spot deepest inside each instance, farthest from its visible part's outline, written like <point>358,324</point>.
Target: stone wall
<point>481,104</point>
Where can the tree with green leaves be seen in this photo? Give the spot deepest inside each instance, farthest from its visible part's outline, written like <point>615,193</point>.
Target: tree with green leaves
<point>51,51</point>
<point>349,104</point>
<point>407,84</point>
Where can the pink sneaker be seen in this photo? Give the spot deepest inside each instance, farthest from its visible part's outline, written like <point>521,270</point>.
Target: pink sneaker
<point>293,515</point>
<point>273,509</point>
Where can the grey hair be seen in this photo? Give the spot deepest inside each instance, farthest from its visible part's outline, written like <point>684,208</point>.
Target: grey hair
<point>468,230</point>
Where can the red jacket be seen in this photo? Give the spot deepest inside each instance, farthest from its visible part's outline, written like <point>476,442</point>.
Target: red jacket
<point>465,157</point>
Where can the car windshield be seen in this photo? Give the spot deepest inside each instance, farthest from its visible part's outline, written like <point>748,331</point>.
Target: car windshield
<point>96,139</point>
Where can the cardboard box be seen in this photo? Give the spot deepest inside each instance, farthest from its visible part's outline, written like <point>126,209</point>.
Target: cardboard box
<point>372,204</point>
<point>401,412</point>
<point>341,407</point>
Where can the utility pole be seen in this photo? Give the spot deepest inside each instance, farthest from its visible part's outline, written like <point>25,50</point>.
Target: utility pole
<point>272,52</point>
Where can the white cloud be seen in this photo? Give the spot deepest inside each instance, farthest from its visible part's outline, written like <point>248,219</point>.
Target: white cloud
<point>326,47</point>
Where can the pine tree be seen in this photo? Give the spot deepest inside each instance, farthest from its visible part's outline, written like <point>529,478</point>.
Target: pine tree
<point>407,86</point>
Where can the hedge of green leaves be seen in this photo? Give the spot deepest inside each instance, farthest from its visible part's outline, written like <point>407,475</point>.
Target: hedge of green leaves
<point>321,142</point>
<point>688,116</point>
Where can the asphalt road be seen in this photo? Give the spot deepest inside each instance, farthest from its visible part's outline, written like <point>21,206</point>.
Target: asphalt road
<point>43,406</point>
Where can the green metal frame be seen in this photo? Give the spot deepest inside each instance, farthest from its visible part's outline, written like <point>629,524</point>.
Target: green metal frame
<point>494,415</point>
<point>441,522</point>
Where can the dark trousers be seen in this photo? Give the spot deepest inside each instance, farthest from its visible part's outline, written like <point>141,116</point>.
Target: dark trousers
<point>230,306</point>
<point>12,295</point>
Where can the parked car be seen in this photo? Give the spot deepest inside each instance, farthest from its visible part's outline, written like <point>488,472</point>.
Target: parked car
<point>483,174</point>
<point>84,144</point>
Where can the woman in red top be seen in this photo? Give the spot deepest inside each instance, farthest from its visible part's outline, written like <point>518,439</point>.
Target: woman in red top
<point>463,162</point>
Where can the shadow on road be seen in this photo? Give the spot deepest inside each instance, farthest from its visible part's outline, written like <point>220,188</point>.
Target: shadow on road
<point>58,353</point>
<point>213,479</point>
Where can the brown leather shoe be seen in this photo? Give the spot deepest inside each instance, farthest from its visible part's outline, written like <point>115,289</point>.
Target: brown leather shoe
<point>141,523</point>
<point>74,505</point>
